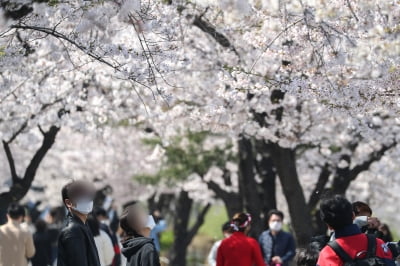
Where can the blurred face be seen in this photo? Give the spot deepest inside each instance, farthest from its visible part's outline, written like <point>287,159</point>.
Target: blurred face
<point>138,218</point>
<point>81,198</point>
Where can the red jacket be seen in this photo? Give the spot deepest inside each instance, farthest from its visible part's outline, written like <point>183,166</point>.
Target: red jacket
<point>239,250</point>
<point>353,242</point>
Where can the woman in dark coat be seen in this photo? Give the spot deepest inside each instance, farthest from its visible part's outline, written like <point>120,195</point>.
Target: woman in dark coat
<point>138,248</point>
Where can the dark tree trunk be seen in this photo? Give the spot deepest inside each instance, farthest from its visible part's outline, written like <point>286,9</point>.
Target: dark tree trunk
<point>183,234</point>
<point>266,171</point>
<point>248,185</point>
<point>20,186</point>
<point>161,202</point>
<point>285,162</point>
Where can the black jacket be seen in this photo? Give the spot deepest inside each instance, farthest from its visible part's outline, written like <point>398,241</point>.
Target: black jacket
<point>140,251</point>
<point>76,245</point>
<point>43,249</point>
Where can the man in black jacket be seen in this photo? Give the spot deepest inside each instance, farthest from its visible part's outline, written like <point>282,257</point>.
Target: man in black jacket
<point>76,246</point>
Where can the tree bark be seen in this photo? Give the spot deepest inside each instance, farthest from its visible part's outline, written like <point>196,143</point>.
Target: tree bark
<point>285,163</point>
<point>344,176</point>
<point>183,234</point>
<point>20,186</point>
<point>248,185</point>
<point>267,173</point>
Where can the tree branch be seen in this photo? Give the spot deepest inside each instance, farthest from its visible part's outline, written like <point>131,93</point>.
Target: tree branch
<point>351,10</point>
<point>19,189</point>
<point>61,36</point>
<point>206,27</point>
<point>374,157</point>
<point>11,162</point>
<point>199,222</point>
<point>319,187</point>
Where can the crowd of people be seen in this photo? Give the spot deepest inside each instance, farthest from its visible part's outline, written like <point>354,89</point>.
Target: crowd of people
<point>356,238</point>
<point>88,237</point>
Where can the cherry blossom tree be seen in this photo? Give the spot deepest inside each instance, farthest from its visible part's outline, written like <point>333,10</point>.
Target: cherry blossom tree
<point>306,90</point>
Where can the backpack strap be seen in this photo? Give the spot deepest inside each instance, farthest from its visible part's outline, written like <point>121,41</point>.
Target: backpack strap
<point>371,246</point>
<point>340,251</point>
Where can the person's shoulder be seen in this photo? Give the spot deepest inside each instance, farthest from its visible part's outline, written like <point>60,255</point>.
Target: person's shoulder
<point>104,235</point>
<point>327,256</point>
<point>70,230</point>
<point>287,234</point>
<point>264,234</point>
<point>217,243</point>
<point>224,242</point>
<point>383,250</point>
<point>252,241</point>
<point>148,247</point>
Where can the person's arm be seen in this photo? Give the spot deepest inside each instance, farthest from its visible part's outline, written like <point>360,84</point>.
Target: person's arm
<point>161,226</point>
<point>261,241</point>
<point>290,250</point>
<point>108,249</point>
<point>257,255</point>
<point>29,246</point>
<point>212,256</point>
<point>220,257</point>
<point>150,256</point>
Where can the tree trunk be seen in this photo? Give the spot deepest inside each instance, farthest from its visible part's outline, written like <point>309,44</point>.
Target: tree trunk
<point>21,186</point>
<point>249,186</point>
<point>183,234</point>
<point>285,162</point>
<point>266,171</point>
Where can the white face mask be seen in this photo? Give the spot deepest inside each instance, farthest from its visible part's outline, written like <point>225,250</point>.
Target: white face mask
<point>84,206</point>
<point>275,226</point>
<point>150,222</point>
<point>106,222</point>
<point>107,203</point>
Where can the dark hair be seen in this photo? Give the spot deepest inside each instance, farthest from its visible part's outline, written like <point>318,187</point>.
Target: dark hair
<point>75,189</point>
<point>307,256</point>
<point>41,226</point>
<point>336,211</point>
<point>388,237</point>
<point>94,225</point>
<point>241,221</point>
<point>15,211</point>
<point>361,207</point>
<point>226,227</point>
<point>129,203</point>
<point>275,212</point>
<point>125,223</point>
<point>98,211</point>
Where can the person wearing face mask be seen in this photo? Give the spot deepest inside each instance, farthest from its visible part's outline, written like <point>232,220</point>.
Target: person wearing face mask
<point>137,246</point>
<point>278,247</point>
<point>76,245</point>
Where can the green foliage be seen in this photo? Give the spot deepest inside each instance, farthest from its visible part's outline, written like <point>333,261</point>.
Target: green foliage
<point>166,241</point>
<point>335,149</point>
<point>53,2</point>
<point>213,222</point>
<point>186,155</point>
